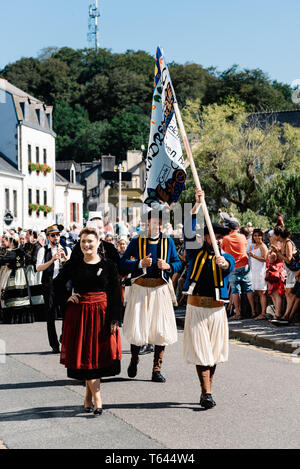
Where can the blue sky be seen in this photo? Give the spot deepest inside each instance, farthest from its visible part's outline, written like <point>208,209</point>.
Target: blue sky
<point>252,33</point>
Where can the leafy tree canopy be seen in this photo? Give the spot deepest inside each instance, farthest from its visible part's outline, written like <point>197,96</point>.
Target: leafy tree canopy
<point>114,92</point>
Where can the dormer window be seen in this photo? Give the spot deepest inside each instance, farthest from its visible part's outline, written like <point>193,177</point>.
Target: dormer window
<point>48,117</point>
<point>38,115</point>
<point>22,106</point>
<point>72,177</point>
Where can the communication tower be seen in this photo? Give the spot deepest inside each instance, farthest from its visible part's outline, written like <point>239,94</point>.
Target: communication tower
<point>93,34</point>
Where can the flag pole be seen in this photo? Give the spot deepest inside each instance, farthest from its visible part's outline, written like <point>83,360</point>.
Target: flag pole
<point>196,179</point>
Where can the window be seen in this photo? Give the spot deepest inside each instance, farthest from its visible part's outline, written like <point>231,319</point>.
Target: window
<point>37,196</point>
<point>38,115</point>
<point>37,154</point>
<point>74,212</point>
<point>7,199</point>
<point>15,200</point>
<point>72,176</point>
<point>29,200</point>
<point>45,197</point>
<point>29,153</point>
<point>22,106</point>
<point>48,116</point>
<point>45,156</point>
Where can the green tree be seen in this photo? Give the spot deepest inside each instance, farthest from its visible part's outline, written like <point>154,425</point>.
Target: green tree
<point>236,155</point>
<point>129,130</point>
<point>253,87</point>
<point>57,82</point>
<point>68,123</point>
<point>282,194</point>
<point>190,82</point>
<point>25,74</point>
<point>92,142</point>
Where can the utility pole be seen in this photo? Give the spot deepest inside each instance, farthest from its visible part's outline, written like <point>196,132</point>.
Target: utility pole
<point>94,14</point>
<point>120,168</point>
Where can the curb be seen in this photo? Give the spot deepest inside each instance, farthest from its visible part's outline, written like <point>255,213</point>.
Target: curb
<point>279,344</point>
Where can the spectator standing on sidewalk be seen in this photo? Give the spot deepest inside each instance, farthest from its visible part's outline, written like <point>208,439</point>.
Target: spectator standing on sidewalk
<point>285,254</point>
<point>240,278</point>
<point>258,269</point>
<point>275,276</point>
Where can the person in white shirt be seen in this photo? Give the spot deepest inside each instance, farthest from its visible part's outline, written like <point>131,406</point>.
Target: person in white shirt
<point>50,260</point>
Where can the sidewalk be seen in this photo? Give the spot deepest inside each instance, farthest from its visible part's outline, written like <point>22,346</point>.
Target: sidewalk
<point>260,333</point>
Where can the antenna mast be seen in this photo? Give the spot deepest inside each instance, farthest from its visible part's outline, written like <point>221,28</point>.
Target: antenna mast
<point>93,34</point>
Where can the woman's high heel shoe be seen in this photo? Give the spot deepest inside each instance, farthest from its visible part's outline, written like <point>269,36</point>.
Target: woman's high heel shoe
<point>88,409</point>
<point>98,411</point>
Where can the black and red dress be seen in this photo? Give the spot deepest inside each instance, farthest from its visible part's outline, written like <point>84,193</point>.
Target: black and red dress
<point>89,350</point>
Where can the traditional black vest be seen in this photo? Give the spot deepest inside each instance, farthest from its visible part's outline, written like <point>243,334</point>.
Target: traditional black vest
<point>203,257</point>
<point>47,276</point>
<point>162,248</point>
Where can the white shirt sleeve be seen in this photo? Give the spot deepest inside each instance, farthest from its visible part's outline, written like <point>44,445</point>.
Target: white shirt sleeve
<point>40,257</point>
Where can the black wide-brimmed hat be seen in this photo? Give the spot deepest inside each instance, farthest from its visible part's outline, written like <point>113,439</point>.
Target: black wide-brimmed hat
<point>218,229</point>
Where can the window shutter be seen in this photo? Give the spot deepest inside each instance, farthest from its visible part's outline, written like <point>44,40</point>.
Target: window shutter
<point>77,212</point>
<point>71,212</point>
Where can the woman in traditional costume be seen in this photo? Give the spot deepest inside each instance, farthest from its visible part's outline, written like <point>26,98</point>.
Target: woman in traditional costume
<point>91,343</point>
<point>15,292</point>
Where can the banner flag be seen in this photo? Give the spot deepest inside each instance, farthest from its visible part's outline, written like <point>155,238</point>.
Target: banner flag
<point>165,173</point>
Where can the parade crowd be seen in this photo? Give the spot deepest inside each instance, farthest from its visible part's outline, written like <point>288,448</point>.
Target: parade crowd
<point>268,253</point>
<point>104,276</point>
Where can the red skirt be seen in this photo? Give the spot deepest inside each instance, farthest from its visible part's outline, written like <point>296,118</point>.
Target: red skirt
<point>87,343</point>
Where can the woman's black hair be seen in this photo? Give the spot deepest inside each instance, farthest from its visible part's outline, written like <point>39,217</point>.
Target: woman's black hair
<point>282,231</point>
<point>257,231</point>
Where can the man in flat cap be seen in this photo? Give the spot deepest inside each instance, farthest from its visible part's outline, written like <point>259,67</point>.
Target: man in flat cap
<point>206,327</point>
<point>50,260</point>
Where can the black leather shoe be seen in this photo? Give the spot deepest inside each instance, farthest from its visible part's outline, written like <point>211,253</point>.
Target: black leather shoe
<point>207,401</point>
<point>157,377</point>
<point>132,369</point>
<point>98,412</point>
<point>146,349</point>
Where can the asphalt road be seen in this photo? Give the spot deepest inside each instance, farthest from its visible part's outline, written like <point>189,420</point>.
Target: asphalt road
<point>256,391</point>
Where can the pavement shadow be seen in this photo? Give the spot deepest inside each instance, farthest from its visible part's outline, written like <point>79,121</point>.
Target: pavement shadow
<point>35,413</point>
<point>39,384</point>
<point>153,405</point>
<point>44,413</point>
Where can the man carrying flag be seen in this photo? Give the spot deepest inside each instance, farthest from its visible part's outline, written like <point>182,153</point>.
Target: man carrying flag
<point>205,328</point>
<point>149,315</point>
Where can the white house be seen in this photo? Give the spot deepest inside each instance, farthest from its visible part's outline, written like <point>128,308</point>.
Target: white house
<point>27,164</point>
<point>70,197</point>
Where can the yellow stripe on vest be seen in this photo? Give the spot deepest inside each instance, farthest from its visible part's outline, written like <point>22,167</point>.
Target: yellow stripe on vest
<point>196,262</point>
<point>201,266</point>
<point>166,249</point>
<point>221,277</point>
<point>214,267</point>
